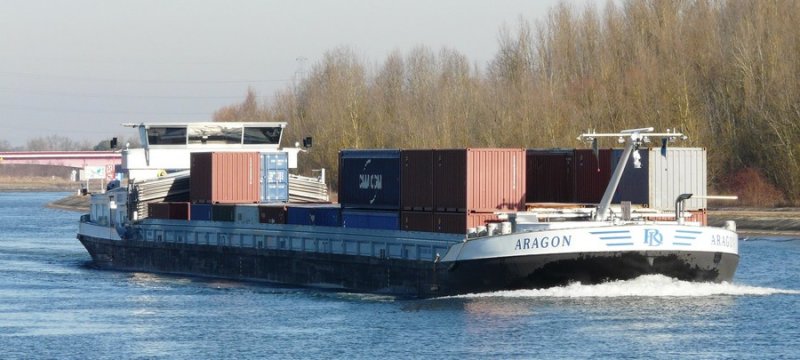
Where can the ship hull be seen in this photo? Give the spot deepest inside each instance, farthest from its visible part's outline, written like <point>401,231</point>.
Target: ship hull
<point>403,277</point>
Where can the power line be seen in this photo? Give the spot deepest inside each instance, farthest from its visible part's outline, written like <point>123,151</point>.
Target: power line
<point>145,81</point>
<point>118,96</point>
<point>82,111</point>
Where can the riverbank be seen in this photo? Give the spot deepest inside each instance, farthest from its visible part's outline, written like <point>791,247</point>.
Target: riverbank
<point>78,203</point>
<point>757,221</point>
<point>37,183</point>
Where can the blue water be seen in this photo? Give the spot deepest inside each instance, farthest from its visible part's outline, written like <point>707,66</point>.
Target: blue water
<point>53,305</point>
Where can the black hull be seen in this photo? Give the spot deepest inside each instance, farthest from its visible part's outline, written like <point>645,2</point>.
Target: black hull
<point>406,278</point>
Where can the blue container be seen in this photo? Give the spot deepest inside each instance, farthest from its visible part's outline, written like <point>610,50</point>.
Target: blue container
<point>382,220</point>
<point>200,212</point>
<point>633,186</point>
<point>316,215</point>
<point>274,177</point>
<point>369,179</point>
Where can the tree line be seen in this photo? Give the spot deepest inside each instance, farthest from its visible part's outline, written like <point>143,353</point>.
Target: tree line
<point>723,72</point>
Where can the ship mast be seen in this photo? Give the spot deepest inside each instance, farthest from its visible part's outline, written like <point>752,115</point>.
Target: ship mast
<point>633,139</point>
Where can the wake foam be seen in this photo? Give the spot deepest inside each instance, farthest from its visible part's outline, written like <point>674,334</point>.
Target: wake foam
<point>643,286</point>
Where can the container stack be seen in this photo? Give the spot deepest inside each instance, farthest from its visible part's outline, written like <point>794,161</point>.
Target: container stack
<point>578,175</point>
<point>416,195</point>
<point>369,189</point>
<point>241,187</point>
<point>467,185</point>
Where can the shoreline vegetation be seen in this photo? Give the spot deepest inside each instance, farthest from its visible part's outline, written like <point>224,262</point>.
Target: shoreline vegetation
<point>722,72</point>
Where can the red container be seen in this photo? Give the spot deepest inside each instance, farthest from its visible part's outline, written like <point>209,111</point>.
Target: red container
<point>272,214</point>
<point>416,221</point>
<point>479,180</point>
<point>458,223</point>
<point>225,177</point>
<point>592,174</point>
<point>169,210</point>
<point>416,180</point>
<point>549,175</point>
<point>700,216</point>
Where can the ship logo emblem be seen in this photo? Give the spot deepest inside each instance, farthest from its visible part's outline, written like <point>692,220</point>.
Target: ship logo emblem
<point>653,237</point>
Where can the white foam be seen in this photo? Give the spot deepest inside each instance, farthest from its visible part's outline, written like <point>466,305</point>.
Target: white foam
<point>643,286</point>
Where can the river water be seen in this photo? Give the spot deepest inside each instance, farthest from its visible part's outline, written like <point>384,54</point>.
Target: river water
<point>54,305</point>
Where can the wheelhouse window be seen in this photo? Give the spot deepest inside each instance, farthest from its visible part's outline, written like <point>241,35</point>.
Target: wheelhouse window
<point>166,136</point>
<point>262,135</point>
<point>215,134</point>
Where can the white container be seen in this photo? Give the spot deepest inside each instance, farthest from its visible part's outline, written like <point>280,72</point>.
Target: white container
<point>663,177</point>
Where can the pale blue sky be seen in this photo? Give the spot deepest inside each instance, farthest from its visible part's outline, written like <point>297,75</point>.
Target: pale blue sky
<point>79,68</point>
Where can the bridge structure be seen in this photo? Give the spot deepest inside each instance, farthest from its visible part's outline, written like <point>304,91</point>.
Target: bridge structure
<point>75,159</point>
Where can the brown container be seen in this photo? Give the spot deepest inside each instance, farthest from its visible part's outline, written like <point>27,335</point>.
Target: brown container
<point>416,221</point>
<point>458,223</point>
<point>272,214</point>
<point>158,210</point>
<point>225,177</point>
<point>549,175</point>
<point>592,174</point>
<point>168,210</point>
<point>416,180</point>
<point>479,180</point>
<point>179,210</point>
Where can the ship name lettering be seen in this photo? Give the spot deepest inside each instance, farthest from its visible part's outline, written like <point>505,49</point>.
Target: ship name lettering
<point>544,242</point>
<point>370,181</point>
<point>721,240</point>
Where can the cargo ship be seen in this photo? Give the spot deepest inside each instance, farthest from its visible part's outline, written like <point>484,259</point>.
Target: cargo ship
<point>218,200</point>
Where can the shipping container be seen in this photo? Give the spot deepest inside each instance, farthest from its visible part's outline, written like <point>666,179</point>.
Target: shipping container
<point>479,180</point>
<point>369,179</point>
<point>550,175</point>
<point>417,221</point>
<point>169,210</point>
<point>459,223</point>
<point>272,214</point>
<point>371,219</point>
<point>223,212</point>
<point>274,177</point>
<point>201,212</point>
<point>247,214</point>
<point>699,216</point>
<point>158,210</point>
<point>319,215</point>
<point>225,177</point>
<point>663,177</point>
<point>416,180</point>
<point>633,186</point>
<point>592,173</point>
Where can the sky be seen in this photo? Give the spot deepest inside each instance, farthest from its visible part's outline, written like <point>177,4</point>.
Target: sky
<point>80,68</point>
